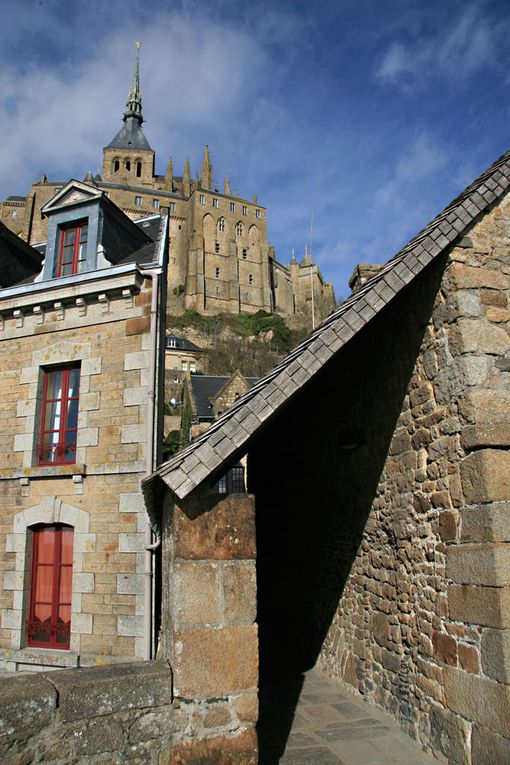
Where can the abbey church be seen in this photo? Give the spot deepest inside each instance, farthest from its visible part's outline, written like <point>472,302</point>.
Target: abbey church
<point>220,259</point>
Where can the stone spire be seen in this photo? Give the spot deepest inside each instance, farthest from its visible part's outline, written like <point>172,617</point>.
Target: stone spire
<point>307,261</point>
<point>226,187</point>
<point>134,101</point>
<point>207,170</point>
<point>186,179</point>
<point>169,177</point>
<point>293,261</point>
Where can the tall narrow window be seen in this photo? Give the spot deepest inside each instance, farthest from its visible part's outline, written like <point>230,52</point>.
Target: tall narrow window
<point>138,169</point>
<point>59,416</point>
<point>128,165</point>
<point>72,253</point>
<point>116,166</point>
<point>215,202</point>
<point>250,279</point>
<point>216,247</point>
<point>257,214</point>
<point>217,272</point>
<point>232,207</point>
<point>239,229</point>
<point>221,224</point>
<point>155,204</point>
<point>138,201</point>
<point>171,206</point>
<point>202,199</point>
<point>245,210</point>
<point>49,619</point>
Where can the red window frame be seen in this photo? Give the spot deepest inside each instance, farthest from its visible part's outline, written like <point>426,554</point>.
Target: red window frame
<point>49,621</point>
<point>72,245</point>
<point>57,442</point>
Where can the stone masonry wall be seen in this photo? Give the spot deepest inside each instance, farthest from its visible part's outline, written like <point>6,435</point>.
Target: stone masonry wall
<point>117,714</point>
<point>423,624</point>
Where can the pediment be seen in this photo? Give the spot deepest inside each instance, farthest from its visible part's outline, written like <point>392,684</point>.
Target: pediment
<point>73,193</point>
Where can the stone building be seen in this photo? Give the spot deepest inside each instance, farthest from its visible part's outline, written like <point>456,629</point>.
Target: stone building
<point>220,259</point>
<point>380,523</point>
<point>81,363</point>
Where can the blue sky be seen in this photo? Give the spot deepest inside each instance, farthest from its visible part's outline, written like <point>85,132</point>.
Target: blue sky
<point>368,115</point>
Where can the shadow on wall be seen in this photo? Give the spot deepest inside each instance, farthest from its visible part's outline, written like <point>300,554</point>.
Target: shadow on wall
<point>315,473</point>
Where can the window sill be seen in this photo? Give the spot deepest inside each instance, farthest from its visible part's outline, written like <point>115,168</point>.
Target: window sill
<point>51,471</point>
<point>49,657</point>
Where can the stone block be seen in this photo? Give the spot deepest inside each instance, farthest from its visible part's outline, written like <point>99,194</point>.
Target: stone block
<point>90,401</point>
<point>486,564</point>
<point>479,699</point>
<point>196,593</point>
<point>88,437</point>
<point>496,654</point>
<point>215,661</point>
<point>488,606</point>
<point>131,502</point>
<point>221,750</point>
<point>209,528</point>
<point>445,648</point>
<point>91,366</point>
<point>449,735</point>
<point>82,624</point>
<point>471,277</point>
<point>247,707</point>
<point>468,658</point>
<point>130,626</point>
<point>97,691</point>
<point>485,476</point>
<point>23,442</point>
<point>130,543</point>
<point>477,336</point>
<point>159,724</point>
<point>485,434</point>
<point>133,434</point>
<point>135,396</point>
<point>483,405</point>
<point>487,523</point>
<point>488,748</point>
<point>97,736</point>
<point>240,593</point>
<point>136,360</point>
<point>27,704</point>
<point>138,325</point>
<point>130,584</point>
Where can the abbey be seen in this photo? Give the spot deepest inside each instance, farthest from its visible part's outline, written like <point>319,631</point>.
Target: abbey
<point>220,259</point>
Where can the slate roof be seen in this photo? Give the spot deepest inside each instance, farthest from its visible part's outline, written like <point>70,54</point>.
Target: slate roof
<point>181,344</point>
<point>205,387</point>
<point>19,262</point>
<point>130,136</point>
<point>229,435</point>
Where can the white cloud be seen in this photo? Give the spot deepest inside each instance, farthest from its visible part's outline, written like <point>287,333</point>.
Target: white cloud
<point>457,51</point>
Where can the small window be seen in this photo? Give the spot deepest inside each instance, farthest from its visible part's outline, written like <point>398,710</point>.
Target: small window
<point>171,206</point>
<point>49,618</point>
<point>155,204</point>
<point>184,366</point>
<point>192,367</point>
<point>245,210</point>
<point>59,415</point>
<point>257,213</point>
<point>232,207</point>
<point>217,247</point>
<point>221,224</point>
<point>237,478</point>
<point>217,272</point>
<point>138,169</point>
<point>171,342</point>
<point>215,202</point>
<point>232,482</point>
<point>245,253</point>
<point>128,165</point>
<point>250,279</point>
<point>72,254</point>
<point>116,166</point>
<point>202,199</point>
<point>239,229</point>
<point>138,201</point>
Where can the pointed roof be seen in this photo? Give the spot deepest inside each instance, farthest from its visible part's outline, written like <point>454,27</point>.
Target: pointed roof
<point>230,435</point>
<point>131,135</point>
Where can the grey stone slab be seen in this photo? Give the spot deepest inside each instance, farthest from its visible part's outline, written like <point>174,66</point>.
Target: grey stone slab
<point>309,755</point>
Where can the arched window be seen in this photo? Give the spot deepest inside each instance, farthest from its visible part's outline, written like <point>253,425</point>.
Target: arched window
<point>116,166</point>
<point>239,229</point>
<point>138,169</point>
<point>49,619</point>
<point>221,224</point>
<point>128,165</point>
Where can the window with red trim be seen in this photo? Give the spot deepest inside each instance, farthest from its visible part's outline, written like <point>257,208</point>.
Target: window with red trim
<point>59,415</point>
<point>72,250</point>
<point>49,620</point>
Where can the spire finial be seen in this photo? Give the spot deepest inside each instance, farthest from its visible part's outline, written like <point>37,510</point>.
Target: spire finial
<point>134,101</point>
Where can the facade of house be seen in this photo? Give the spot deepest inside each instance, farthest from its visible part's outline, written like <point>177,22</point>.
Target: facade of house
<point>220,259</point>
<point>182,357</point>
<point>380,521</point>
<point>82,361</point>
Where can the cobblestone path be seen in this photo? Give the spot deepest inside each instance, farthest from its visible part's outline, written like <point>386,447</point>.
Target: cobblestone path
<point>315,721</point>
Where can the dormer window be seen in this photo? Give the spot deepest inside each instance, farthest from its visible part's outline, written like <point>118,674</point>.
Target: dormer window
<point>72,252</point>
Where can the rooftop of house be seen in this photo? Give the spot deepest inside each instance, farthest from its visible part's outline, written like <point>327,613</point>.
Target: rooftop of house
<point>206,387</point>
<point>230,435</point>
